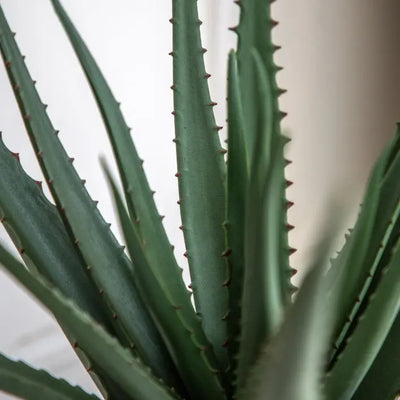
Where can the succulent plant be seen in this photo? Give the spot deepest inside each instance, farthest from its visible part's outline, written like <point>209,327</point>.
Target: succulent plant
<point>130,319</point>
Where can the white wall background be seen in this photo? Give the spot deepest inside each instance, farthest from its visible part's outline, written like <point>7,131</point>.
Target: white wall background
<point>341,70</point>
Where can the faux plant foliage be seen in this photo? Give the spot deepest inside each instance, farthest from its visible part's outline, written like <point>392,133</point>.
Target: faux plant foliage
<point>130,319</point>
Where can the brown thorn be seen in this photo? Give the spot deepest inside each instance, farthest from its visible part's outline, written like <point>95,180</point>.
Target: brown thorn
<point>203,50</point>
<point>289,227</point>
<point>226,253</point>
<point>289,204</point>
<point>21,250</point>
<point>40,154</point>
<point>273,23</point>
<point>56,132</point>
<point>212,104</point>
<point>173,113</point>
<point>2,219</point>
<point>185,254</point>
<point>233,28</point>
<point>223,151</point>
<point>177,174</point>
<point>171,20</point>
<point>289,183</point>
<point>288,162</point>
<point>171,53</point>
<point>218,128</point>
<point>207,75</point>
<point>181,227</point>
<point>27,117</point>
<point>71,159</point>
<point>8,64</point>
<point>16,156</point>
<point>292,251</point>
<point>172,87</point>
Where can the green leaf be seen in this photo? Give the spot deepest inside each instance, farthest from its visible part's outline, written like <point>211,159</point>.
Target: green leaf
<point>254,32</point>
<point>366,340</point>
<point>382,381</point>
<point>201,173</point>
<point>263,272</point>
<point>133,376</point>
<point>237,183</point>
<point>20,380</point>
<point>254,36</point>
<point>106,261</point>
<point>137,191</point>
<point>192,354</point>
<point>291,364</point>
<point>40,236</point>
<point>368,249</point>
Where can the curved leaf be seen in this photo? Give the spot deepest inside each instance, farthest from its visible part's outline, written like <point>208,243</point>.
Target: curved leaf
<point>368,337</point>
<point>132,375</point>
<point>106,261</point>
<point>20,380</point>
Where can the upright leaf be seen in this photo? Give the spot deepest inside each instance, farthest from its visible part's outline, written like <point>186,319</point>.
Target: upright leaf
<point>237,185</point>
<point>291,365</point>
<point>192,354</point>
<point>254,32</point>
<point>201,173</point>
<point>261,317</point>
<point>254,35</point>
<point>137,191</point>
<point>106,261</point>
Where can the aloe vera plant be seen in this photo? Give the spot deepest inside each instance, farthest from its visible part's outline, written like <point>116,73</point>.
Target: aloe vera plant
<point>129,315</point>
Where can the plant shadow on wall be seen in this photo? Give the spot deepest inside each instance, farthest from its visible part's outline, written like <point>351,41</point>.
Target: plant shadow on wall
<point>130,319</point>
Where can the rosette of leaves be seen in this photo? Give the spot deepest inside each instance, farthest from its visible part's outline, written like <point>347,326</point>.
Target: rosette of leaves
<point>129,315</point>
